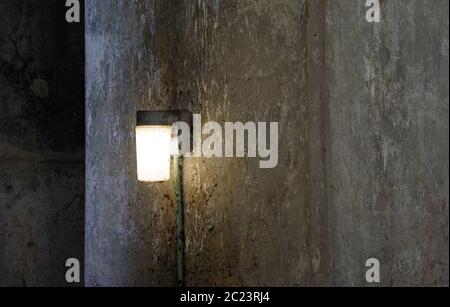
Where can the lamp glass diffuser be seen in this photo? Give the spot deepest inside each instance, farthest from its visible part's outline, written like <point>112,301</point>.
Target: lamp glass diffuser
<point>153,149</point>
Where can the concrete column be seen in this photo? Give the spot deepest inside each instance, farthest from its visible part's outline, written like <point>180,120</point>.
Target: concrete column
<point>388,153</point>
<point>228,61</point>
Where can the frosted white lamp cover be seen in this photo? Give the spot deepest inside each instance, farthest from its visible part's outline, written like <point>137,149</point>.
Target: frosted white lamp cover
<point>153,149</point>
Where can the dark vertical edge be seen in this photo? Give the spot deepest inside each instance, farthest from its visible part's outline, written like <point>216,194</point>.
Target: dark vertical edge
<point>85,21</point>
<point>82,24</point>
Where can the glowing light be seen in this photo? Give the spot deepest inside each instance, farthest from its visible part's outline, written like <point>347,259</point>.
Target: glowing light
<point>153,149</point>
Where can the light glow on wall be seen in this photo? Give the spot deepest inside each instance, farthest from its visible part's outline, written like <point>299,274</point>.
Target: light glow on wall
<point>153,149</point>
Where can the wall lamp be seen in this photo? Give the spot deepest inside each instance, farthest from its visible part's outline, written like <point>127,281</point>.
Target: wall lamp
<point>157,146</point>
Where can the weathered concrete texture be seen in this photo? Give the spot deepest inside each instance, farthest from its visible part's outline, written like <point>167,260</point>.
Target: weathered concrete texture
<point>130,232</point>
<point>229,61</point>
<point>42,220</point>
<point>246,226</point>
<point>364,176</point>
<point>41,143</point>
<point>388,141</point>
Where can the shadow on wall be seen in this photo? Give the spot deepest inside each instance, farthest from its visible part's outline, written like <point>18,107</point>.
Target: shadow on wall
<point>41,142</point>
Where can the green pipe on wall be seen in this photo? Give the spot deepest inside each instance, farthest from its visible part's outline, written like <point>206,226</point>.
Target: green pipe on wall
<point>178,173</point>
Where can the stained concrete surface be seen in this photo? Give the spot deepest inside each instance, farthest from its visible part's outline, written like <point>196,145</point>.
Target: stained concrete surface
<point>363,168</point>
<point>247,61</point>
<point>154,55</point>
<point>388,138</point>
<point>41,142</point>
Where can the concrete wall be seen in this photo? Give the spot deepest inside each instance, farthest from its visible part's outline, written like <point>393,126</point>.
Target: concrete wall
<point>363,168</point>
<point>248,61</point>
<point>129,226</point>
<point>388,141</point>
<point>229,61</point>
<point>41,142</point>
